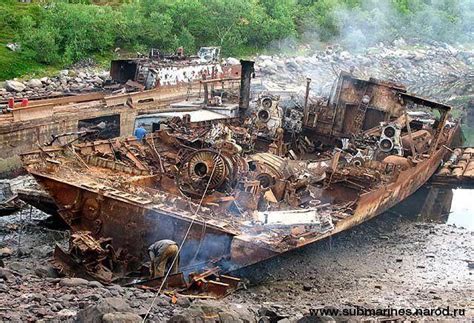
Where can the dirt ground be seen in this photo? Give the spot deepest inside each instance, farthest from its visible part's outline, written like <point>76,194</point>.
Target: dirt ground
<point>395,260</point>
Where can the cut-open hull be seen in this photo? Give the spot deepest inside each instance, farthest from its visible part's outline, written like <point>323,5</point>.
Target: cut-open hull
<point>134,226</point>
<point>233,191</point>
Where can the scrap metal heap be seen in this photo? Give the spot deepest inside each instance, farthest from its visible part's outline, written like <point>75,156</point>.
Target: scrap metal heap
<point>458,169</point>
<point>268,181</point>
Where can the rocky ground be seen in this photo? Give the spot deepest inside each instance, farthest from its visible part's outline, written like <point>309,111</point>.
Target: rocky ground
<point>82,77</point>
<point>69,81</point>
<point>432,69</point>
<point>392,261</point>
<point>435,70</point>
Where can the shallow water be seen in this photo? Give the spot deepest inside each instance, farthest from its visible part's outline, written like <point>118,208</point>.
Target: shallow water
<point>462,208</point>
<point>433,204</point>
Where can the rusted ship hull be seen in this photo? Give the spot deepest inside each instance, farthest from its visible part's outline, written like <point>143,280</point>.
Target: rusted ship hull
<point>138,226</point>
<point>370,205</point>
<point>233,191</point>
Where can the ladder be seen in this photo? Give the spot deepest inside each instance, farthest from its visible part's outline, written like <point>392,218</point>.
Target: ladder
<point>362,109</point>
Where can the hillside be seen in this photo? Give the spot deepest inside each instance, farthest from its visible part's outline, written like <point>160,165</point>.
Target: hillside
<point>58,33</point>
<point>13,64</point>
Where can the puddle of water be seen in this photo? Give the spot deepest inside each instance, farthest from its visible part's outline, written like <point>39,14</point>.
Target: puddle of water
<point>462,208</point>
<point>432,204</point>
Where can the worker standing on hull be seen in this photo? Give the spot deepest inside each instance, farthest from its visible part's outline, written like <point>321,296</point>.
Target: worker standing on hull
<point>162,253</point>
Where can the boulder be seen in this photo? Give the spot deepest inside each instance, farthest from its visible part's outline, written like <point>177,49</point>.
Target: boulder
<point>183,301</point>
<point>97,80</point>
<point>64,72</point>
<point>5,252</point>
<point>95,313</point>
<point>73,282</point>
<point>14,86</point>
<point>3,288</point>
<point>34,83</point>
<point>65,313</point>
<point>13,46</point>
<point>232,61</point>
<point>121,317</point>
<point>96,284</point>
<point>6,274</point>
<point>200,310</point>
<point>46,271</point>
<point>344,55</point>
<point>400,42</point>
<point>104,75</point>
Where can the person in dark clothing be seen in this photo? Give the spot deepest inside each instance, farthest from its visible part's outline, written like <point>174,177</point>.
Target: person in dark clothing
<point>162,254</point>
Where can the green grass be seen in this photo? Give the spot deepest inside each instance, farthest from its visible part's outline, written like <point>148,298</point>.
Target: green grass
<point>13,64</point>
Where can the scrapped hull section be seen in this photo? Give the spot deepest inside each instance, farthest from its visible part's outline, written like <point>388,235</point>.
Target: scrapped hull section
<point>240,190</point>
<point>133,224</point>
<point>458,171</point>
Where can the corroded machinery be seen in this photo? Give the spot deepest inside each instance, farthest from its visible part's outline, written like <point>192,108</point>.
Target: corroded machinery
<point>235,193</point>
<point>209,169</point>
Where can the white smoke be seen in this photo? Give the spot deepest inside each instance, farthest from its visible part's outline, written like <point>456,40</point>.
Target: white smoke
<point>380,21</point>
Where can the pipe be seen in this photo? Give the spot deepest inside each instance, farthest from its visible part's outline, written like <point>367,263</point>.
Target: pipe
<point>246,75</point>
<point>306,97</point>
<point>206,90</point>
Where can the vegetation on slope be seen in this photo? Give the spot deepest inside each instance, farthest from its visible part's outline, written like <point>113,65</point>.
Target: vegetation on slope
<point>58,33</point>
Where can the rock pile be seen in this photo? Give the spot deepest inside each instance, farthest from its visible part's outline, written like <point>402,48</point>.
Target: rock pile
<point>434,70</point>
<point>30,289</point>
<point>68,81</point>
<point>30,298</point>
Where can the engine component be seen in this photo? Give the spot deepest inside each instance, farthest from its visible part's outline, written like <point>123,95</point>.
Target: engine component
<point>206,170</point>
<point>269,165</point>
<point>268,116</point>
<point>293,120</point>
<point>420,139</point>
<point>390,141</point>
<point>263,115</point>
<point>266,102</point>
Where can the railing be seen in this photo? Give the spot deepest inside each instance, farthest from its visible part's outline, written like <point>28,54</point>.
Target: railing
<point>45,108</point>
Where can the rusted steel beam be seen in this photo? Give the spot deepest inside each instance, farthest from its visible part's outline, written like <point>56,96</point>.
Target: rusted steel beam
<point>306,97</point>
<point>219,80</point>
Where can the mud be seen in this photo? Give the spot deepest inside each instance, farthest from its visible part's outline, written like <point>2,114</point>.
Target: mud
<point>396,260</point>
<point>402,259</point>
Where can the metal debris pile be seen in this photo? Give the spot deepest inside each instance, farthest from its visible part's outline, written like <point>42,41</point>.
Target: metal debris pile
<point>246,187</point>
<point>458,170</point>
<point>209,284</point>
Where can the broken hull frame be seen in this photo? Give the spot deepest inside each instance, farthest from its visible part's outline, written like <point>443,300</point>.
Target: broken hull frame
<point>138,225</point>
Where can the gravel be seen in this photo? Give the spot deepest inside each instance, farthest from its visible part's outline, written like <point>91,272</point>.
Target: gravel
<point>392,261</point>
